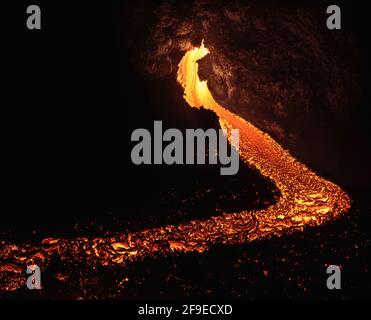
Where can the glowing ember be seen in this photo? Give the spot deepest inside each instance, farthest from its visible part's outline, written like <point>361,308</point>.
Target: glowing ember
<point>306,200</point>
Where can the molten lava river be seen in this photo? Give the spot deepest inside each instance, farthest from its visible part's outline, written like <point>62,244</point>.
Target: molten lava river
<point>306,200</point>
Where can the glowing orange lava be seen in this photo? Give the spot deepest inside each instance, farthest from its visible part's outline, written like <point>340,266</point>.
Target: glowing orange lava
<point>306,200</point>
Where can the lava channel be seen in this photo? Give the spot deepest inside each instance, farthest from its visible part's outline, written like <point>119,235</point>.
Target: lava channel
<point>306,200</point>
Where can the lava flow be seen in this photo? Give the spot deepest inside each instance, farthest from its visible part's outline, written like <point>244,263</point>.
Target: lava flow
<point>306,200</point>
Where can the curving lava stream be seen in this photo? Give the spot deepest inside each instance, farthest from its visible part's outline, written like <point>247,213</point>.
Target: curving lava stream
<point>306,200</point>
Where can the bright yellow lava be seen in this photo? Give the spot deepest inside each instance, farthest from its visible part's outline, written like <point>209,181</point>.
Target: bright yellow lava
<point>306,200</point>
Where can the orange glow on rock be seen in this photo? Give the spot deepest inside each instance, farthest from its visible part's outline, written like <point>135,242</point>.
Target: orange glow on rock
<point>306,200</point>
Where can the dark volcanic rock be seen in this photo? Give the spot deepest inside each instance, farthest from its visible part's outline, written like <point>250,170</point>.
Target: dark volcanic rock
<point>277,66</point>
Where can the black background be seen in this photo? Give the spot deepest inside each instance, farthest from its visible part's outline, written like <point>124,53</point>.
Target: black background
<point>73,99</point>
<point>70,100</point>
